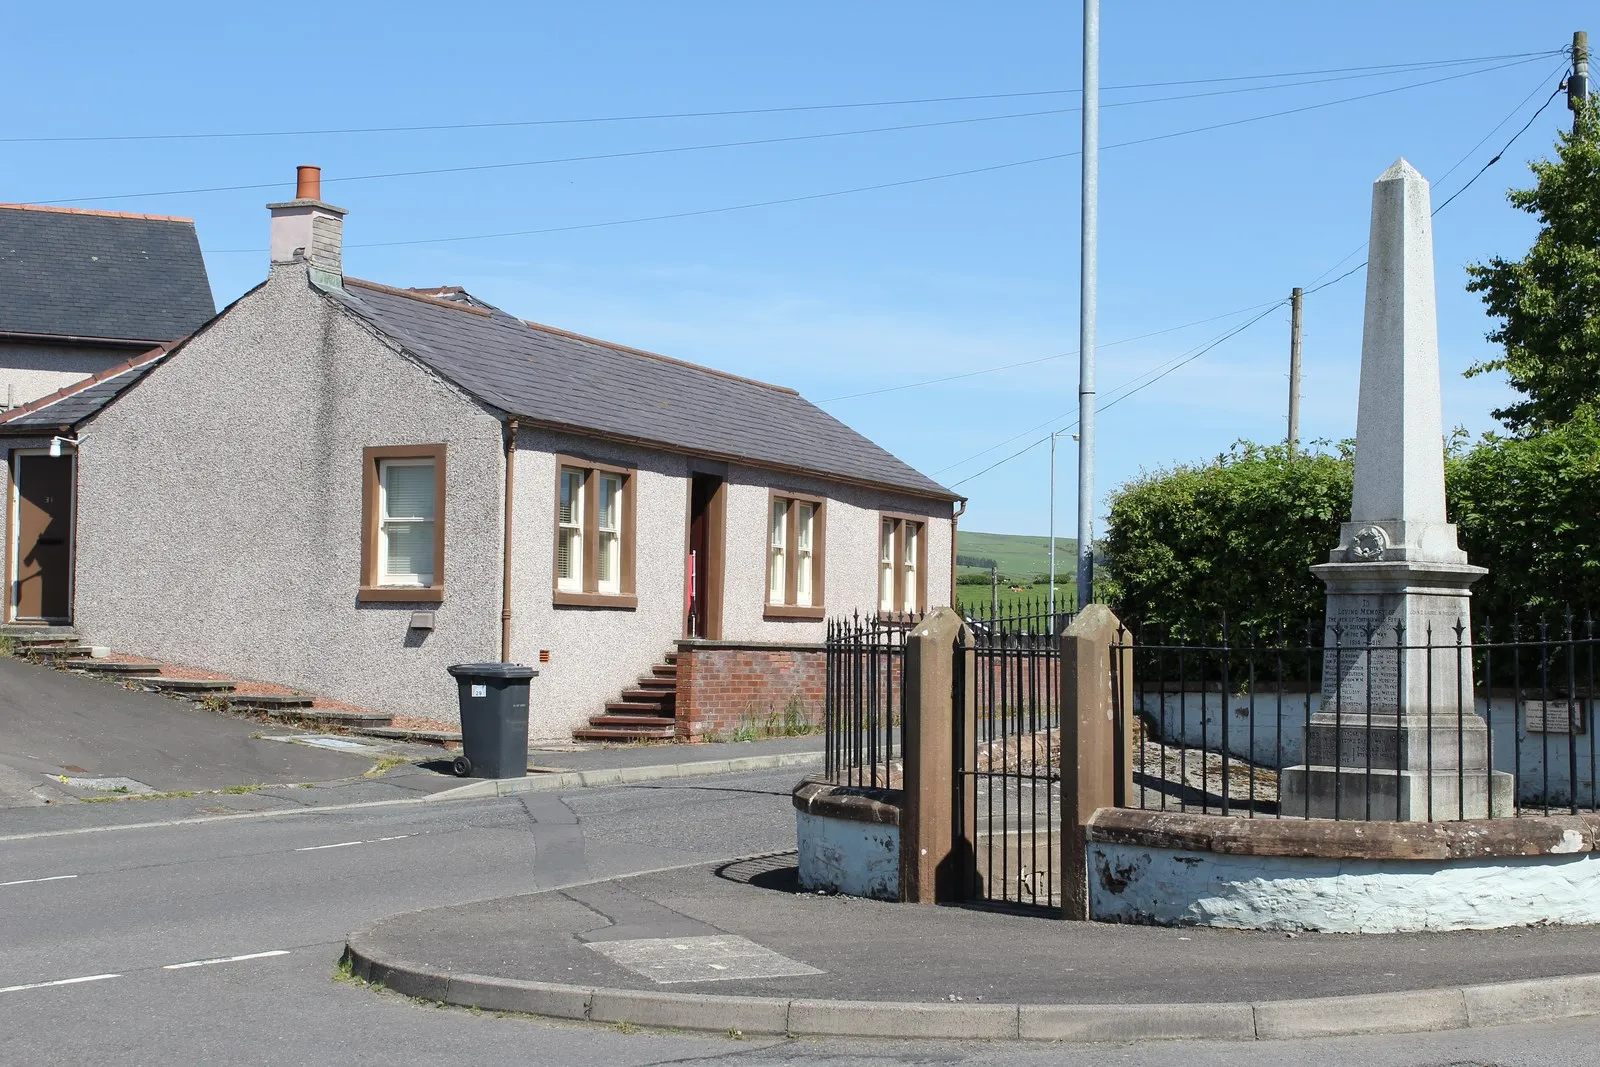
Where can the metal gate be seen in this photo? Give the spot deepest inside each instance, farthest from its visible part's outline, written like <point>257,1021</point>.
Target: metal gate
<point>1007,746</point>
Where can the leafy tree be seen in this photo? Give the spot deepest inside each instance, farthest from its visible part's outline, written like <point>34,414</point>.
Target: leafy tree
<point>1529,510</point>
<point>1548,302</point>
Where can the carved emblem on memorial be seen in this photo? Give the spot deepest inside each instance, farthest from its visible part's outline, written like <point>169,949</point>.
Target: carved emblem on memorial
<point>1369,544</point>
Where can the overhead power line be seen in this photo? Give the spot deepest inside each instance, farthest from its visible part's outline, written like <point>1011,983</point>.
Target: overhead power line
<point>1034,361</point>
<point>1378,70</point>
<point>1187,358</point>
<point>749,205</point>
<point>1125,390</point>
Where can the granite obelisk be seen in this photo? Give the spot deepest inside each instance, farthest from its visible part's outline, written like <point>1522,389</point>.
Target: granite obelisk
<point>1397,735</point>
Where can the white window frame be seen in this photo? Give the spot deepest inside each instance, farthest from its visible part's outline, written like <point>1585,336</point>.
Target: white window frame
<point>886,529</point>
<point>609,584</point>
<point>415,579</point>
<point>778,550</point>
<point>804,552</point>
<point>573,583</point>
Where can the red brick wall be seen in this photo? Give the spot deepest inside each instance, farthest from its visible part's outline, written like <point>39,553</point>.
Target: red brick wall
<point>724,690</point>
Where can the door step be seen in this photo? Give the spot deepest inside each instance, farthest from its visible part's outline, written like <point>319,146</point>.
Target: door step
<point>269,701</point>
<point>665,732</point>
<point>111,666</point>
<point>25,633</point>
<point>186,685</point>
<point>331,716</point>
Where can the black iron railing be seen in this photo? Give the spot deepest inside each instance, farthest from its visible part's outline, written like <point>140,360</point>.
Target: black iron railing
<point>864,723</point>
<point>1007,682</point>
<point>1353,722</point>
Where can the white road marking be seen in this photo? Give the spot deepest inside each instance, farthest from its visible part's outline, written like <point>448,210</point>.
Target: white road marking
<point>226,959</point>
<point>31,881</point>
<point>347,844</point>
<point>59,981</point>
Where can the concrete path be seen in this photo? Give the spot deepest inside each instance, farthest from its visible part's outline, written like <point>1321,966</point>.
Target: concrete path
<point>55,723</point>
<point>839,965</point>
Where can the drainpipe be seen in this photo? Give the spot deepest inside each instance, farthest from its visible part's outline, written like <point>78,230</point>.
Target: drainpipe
<point>955,518</point>
<point>505,576</point>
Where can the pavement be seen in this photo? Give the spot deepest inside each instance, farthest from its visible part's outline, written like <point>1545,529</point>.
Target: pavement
<point>145,758</point>
<point>740,945</point>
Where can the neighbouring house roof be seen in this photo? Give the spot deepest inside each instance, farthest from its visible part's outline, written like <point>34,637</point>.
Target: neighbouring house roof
<point>565,380</point>
<point>100,275</point>
<point>68,406</point>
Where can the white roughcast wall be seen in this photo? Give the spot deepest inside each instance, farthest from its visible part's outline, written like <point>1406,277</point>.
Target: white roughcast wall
<point>1129,883</point>
<point>858,859</point>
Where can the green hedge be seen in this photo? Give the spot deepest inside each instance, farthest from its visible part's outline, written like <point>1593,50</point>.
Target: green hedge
<point>1237,537</point>
<point>1529,510</point>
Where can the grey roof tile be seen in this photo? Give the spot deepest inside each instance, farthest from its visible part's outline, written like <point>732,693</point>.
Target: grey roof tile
<point>93,274</point>
<point>561,379</point>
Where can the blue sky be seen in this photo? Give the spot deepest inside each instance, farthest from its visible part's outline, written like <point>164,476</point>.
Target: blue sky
<point>846,294</point>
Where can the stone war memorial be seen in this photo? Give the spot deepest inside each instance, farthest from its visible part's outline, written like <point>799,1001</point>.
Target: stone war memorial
<point>1397,692</point>
<point>1398,771</point>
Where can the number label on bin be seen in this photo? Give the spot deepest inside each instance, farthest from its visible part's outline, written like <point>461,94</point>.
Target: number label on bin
<point>480,690</point>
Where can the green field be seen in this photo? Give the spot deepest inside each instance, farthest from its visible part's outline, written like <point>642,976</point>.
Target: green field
<point>1024,561</point>
<point>1020,556</point>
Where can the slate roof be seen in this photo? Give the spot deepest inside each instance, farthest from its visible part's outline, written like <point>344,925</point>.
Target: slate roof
<point>74,403</point>
<point>565,380</point>
<point>96,274</point>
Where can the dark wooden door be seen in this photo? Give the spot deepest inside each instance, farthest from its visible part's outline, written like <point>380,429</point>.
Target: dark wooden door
<point>703,614</point>
<point>44,537</point>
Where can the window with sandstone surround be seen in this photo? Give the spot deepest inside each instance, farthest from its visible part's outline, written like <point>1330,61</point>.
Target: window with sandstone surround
<point>402,524</point>
<point>902,564</point>
<point>594,535</point>
<point>796,535</point>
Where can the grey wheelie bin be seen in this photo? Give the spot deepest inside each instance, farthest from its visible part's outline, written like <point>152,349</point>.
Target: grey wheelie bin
<point>494,719</point>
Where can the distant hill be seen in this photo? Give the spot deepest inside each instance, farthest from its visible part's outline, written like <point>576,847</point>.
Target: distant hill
<point>1020,556</point>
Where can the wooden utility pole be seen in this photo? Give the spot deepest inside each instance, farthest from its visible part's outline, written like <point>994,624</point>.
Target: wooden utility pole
<point>1578,82</point>
<point>994,593</point>
<point>1295,301</point>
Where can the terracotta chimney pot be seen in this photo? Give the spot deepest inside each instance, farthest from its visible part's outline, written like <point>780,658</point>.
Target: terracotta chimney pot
<point>308,183</point>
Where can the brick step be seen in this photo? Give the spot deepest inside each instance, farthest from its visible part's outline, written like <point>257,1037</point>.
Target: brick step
<point>625,733</point>
<point>635,707</point>
<point>108,666</point>
<point>672,659</point>
<point>665,670</point>
<point>650,696</point>
<point>270,701</point>
<point>609,719</point>
<point>332,716</point>
<point>655,681</point>
<point>186,685</point>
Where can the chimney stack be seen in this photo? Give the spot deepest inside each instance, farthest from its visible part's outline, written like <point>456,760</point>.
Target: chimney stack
<point>306,228</point>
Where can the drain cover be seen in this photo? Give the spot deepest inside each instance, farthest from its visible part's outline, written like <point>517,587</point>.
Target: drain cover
<point>665,960</point>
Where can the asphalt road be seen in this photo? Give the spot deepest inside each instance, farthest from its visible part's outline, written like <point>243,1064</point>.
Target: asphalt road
<point>216,942</point>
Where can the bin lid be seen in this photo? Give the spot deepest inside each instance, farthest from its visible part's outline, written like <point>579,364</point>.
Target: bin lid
<point>508,671</point>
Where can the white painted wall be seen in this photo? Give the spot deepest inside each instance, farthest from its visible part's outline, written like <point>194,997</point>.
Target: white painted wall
<point>1129,883</point>
<point>1193,717</point>
<point>858,859</point>
<point>595,653</point>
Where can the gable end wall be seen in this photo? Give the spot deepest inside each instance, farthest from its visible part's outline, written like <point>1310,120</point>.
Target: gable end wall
<point>220,508</point>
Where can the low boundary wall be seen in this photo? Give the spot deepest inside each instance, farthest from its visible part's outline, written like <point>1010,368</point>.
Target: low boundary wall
<point>1350,877</point>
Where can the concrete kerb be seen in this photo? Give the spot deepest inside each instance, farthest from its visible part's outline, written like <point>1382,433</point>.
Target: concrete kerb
<point>1409,1011</point>
<point>538,783</point>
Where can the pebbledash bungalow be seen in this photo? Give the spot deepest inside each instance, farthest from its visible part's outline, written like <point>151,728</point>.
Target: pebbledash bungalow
<point>312,490</point>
